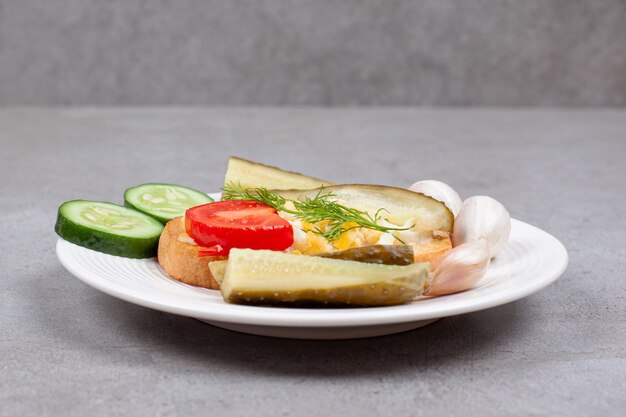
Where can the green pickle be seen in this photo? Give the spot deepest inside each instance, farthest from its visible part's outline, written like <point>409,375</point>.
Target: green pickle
<point>376,254</point>
<point>250,174</point>
<point>278,278</point>
<point>398,205</point>
<point>218,269</point>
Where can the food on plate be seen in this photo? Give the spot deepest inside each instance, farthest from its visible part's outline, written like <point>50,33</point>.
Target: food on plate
<point>386,204</point>
<point>249,218</point>
<point>279,237</point>
<point>108,228</point>
<point>459,269</point>
<point>430,250</point>
<point>223,225</point>
<point>272,277</point>
<point>250,174</point>
<point>440,191</point>
<point>218,269</point>
<point>163,201</point>
<point>376,254</point>
<point>483,217</point>
<point>344,222</point>
<point>180,257</point>
<point>364,217</point>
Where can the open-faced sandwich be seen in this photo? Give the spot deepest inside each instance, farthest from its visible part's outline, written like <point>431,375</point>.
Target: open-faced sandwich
<point>279,237</point>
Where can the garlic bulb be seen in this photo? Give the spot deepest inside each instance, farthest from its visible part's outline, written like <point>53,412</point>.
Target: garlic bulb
<point>460,268</point>
<point>440,191</point>
<point>482,217</point>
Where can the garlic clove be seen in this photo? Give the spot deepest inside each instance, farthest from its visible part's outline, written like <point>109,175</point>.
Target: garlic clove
<point>440,191</point>
<point>459,269</point>
<point>482,217</point>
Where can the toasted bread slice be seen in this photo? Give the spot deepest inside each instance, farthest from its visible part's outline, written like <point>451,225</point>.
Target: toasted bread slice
<point>434,249</point>
<point>178,256</point>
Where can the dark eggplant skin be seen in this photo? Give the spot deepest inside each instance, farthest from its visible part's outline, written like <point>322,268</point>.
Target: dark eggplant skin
<point>376,254</point>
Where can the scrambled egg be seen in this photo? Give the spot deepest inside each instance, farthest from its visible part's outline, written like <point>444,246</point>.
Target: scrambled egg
<point>308,242</point>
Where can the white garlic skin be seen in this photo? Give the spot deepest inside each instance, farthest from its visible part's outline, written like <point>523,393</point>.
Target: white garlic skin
<point>482,217</point>
<point>440,191</point>
<point>460,268</point>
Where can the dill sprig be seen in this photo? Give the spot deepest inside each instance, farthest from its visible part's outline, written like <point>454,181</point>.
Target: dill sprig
<point>233,191</point>
<point>316,209</point>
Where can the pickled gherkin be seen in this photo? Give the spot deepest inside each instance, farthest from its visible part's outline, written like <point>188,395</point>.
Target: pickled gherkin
<point>398,205</point>
<point>218,269</point>
<point>250,174</point>
<point>376,254</point>
<point>271,277</point>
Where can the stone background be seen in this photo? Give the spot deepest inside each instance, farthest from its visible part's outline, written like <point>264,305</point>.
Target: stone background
<point>313,52</point>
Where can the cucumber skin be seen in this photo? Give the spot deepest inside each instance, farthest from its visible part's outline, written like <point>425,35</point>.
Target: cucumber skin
<point>100,241</point>
<point>162,219</point>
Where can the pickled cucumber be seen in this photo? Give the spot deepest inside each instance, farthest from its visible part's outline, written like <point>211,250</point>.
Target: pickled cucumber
<point>218,269</point>
<point>270,277</point>
<point>252,174</point>
<point>375,254</point>
<point>400,205</point>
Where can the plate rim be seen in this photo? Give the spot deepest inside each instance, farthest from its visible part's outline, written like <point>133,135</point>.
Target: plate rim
<point>299,317</point>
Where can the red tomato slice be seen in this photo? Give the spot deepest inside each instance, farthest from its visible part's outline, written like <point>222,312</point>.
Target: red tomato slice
<point>224,225</point>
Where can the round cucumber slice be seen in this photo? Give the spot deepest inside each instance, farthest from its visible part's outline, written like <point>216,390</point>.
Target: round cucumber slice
<point>164,201</point>
<point>108,228</point>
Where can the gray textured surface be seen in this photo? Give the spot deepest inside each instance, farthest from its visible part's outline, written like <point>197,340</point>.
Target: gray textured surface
<point>67,349</point>
<point>273,52</point>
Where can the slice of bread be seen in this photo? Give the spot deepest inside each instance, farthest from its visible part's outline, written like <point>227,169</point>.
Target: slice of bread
<point>434,249</point>
<point>178,256</point>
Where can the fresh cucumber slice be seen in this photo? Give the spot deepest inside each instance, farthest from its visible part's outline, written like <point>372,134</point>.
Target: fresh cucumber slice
<point>108,228</point>
<point>164,201</point>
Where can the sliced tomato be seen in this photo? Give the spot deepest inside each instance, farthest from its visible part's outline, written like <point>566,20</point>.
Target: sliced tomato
<point>224,225</point>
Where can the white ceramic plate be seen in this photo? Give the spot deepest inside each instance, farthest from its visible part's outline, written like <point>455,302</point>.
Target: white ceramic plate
<point>531,260</point>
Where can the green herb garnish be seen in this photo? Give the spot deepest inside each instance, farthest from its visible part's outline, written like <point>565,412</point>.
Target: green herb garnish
<point>313,210</point>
